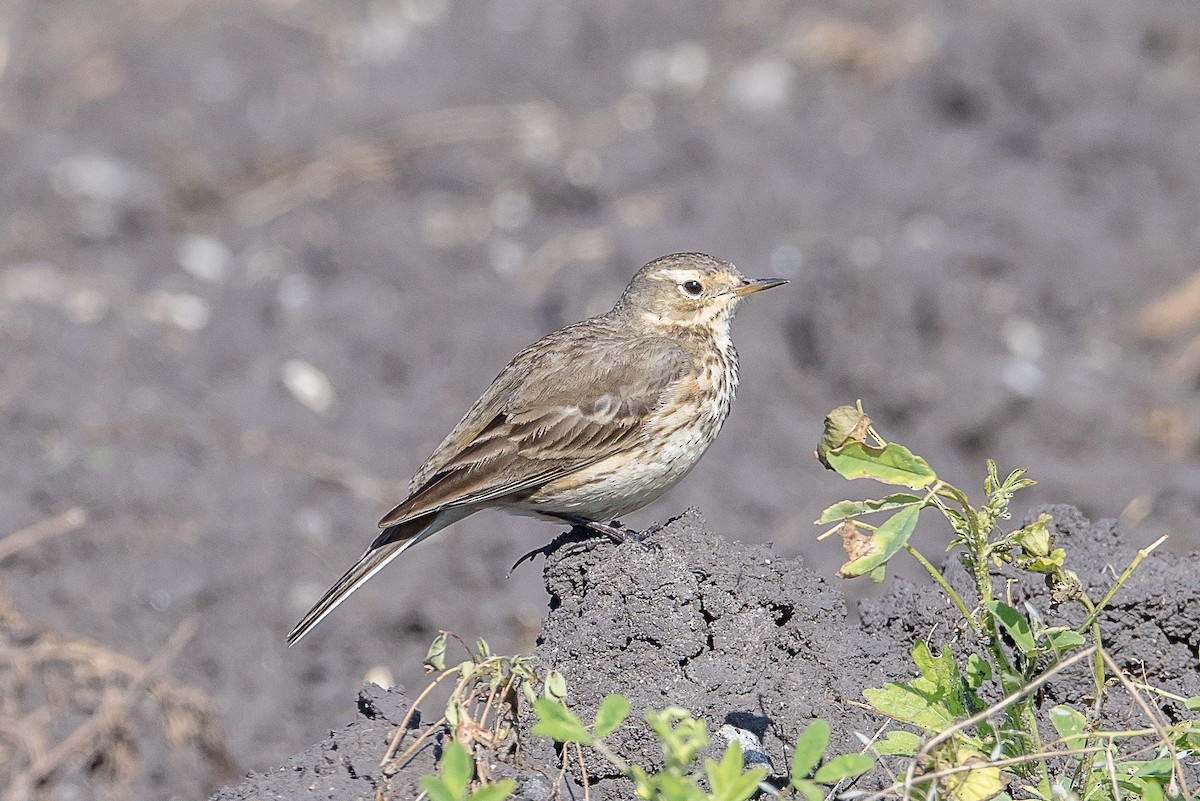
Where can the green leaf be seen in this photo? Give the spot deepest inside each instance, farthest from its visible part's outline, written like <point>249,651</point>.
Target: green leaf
<point>727,779</point>
<point>846,766</point>
<point>558,723</point>
<point>435,657</point>
<point>1016,625</point>
<point>1152,791</point>
<point>1064,640</point>
<point>939,677</point>
<point>556,685</point>
<point>981,783</point>
<point>810,747</point>
<point>682,736</point>
<point>1163,766</point>
<point>932,701</point>
<point>611,714</point>
<point>1193,703</point>
<point>458,768</point>
<point>891,464</point>
<point>905,704</point>
<point>437,790</point>
<point>899,743</point>
<point>1035,538</point>
<point>1068,722</point>
<point>979,670</point>
<point>842,424</point>
<point>672,787</point>
<point>885,542</point>
<point>844,509</point>
<point>809,790</point>
<point>496,791</point>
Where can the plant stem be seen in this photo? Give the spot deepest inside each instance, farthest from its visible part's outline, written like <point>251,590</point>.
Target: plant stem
<point>1108,596</point>
<point>1098,677</point>
<point>945,585</point>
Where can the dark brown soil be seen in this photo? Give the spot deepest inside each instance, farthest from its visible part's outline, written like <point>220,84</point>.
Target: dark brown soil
<point>749,639</point>
<point>203,204</point>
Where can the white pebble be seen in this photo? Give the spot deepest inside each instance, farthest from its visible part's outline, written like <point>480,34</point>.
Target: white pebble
<point>1023,338</point>
<point>93,178</point>
<point>204,257</point>
<point>307,384</point>
<point>1023,378</point>
<point>180,309</point>
<point>761,85</point>
<point>86,305</point>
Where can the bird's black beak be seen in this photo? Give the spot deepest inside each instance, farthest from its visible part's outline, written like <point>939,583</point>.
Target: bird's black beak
<point>757,285</point>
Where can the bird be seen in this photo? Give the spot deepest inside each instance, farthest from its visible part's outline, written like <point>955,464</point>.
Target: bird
<point>586,425</point>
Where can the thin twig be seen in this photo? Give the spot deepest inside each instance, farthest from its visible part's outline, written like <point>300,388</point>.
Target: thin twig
<point>1153,717</point>
<point>114,703</point>
<point>583,774</point>
<point>945,585</point>
<point>999,763</point>
<point>55,526</point>
<point>1000,705</point>
<point>412,709</point>
<point>1108,596</point>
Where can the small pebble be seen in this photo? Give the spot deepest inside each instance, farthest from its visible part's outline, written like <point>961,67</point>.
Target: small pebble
<point>761,85</point>
<point>180,309</point>
<point>307,384</point>
<point>204,257</point>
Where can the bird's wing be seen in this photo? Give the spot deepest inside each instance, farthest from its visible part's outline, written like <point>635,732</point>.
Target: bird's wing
<point>582,406</point>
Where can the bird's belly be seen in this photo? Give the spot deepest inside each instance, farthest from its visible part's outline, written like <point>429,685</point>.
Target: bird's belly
<point>627,481</point>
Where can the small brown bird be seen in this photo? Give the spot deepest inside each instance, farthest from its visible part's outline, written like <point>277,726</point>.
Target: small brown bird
<point>588,423</point>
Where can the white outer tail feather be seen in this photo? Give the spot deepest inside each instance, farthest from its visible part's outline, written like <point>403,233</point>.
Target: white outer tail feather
<point>374,560</point>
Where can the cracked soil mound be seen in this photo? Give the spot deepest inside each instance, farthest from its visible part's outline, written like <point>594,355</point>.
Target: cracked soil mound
<point>743,637</point>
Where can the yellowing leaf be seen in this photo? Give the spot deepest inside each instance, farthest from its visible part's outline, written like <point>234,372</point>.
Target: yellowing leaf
<point>843,424</point>
<point>885,542</point>
<point>843,509</point>
<point>891,464</point>
<point>979,784</point>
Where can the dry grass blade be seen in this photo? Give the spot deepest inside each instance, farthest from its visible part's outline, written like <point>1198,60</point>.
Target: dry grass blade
<point>390,754</point>
<point>49,528</point>
<point>1154,717</point>
<point>922,756</point>
<point>126,683</point>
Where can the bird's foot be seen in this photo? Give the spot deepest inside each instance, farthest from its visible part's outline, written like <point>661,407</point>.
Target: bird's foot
<point>613,530</point>
<point>583,532</point>
<point>577,535</point>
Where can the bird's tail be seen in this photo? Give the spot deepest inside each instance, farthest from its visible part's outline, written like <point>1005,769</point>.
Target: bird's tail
<point>391,542</point>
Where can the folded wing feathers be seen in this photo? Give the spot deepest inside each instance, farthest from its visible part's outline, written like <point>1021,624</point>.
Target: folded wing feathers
<point>531,438</point>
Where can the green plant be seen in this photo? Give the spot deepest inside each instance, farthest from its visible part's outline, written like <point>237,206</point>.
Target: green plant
<point>484,702</point>
<point>454,783</point>
<point>805,776</point>
<point>962,748</point>
<point>682,737</point>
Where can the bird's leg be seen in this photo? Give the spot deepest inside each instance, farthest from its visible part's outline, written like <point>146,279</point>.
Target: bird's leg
<point>653,529</point>
<point>613,531</point>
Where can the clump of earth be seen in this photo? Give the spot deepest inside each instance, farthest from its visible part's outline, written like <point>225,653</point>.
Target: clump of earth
<point>753,643</point>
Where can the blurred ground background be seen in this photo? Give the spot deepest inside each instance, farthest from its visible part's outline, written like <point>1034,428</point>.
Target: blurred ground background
<point>256,258</point>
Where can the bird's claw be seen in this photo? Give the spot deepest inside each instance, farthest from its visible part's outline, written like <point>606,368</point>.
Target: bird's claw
<point>584,532</point>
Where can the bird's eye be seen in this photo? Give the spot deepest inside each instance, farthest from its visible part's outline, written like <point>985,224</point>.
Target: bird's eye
<point>692,288</point>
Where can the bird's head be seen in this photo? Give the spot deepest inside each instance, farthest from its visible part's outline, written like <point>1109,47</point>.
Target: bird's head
<point>689,290</point>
